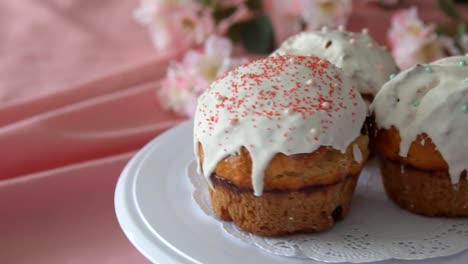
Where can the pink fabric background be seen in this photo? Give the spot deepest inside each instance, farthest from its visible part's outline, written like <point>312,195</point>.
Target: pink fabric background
<point>77,84</point>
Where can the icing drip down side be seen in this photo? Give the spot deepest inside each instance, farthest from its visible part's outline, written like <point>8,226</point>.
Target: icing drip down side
<point>360,57</point>
<point>430,99</point>
<point>284,104</point>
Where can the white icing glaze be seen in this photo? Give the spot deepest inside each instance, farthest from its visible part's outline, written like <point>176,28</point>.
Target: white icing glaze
<point>357,154</point>
<point>452,61</point>
<point>356,53</point>
<point>269,106</point>
<point>431,99</point>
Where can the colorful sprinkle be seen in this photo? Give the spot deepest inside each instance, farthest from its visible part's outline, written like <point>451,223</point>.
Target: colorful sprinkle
<point>415,103</point>
<point>428,68</point>
<point>325,105</point>
<point>352,41</point>
<point>272,96</point>
<point>341,28</point>
<point>392,76</point>
<point>313,131</point>
<point>462,63</point>
<point>234,121</point>
<point>365,31</point>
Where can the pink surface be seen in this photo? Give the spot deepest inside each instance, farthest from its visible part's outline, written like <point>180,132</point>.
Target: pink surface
<point>64,216</point>
<point>86,130</point>
<point>51,44</point>
<point>77,84</point>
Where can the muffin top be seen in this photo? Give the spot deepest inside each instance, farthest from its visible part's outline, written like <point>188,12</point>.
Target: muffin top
<point>429,99</point>
<point>360,57</point>
<point>281,104</point>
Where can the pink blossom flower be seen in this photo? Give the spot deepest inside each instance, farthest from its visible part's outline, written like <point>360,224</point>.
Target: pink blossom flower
<point>406,26</point>
<point>242,13</point>
<point>288,8</point>
<point>424,50</point>
<point>148,9</point>
<point>413,42</point>
<point>213,60</point>
<point>286,18</point>
<point>186,80</point>
<point>176,24</point>
<point>176,92</point>
<point>331,13</point>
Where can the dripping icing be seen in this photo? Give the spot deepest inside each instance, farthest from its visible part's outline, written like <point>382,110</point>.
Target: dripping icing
<point>357,154</point>
<point>438,113</point>
<point>294,122</point>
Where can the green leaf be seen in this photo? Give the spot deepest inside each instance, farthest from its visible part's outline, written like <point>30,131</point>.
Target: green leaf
<point>440,30</point>
<point>210,3</point>
<point>223,13</point>
<point>234,32</point>
<point>255,35</point>
<point>254,4</point>
<point>204,2</point>
<point>462,29</point>
<point>449,8</point>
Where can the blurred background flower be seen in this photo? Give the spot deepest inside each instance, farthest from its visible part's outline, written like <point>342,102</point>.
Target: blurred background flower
<point>186,80</point>
<point>196,26</point>
<point>176,24</point>
<point>291,17</point>
<point>184,23</point>
<point>331,13</point>
<point>412,41</point>
<point>210,30</point>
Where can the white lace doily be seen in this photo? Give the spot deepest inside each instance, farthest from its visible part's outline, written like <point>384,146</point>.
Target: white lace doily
<point>374,230</point>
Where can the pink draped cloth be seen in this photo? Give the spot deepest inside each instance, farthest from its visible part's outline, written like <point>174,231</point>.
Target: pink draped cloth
<point>77,99</point>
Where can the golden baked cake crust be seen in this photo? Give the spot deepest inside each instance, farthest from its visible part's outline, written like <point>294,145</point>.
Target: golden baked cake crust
<point>281,134</point>
<point>283,212</point>
<point>422,153</point>
<point>303,193</point>
<point>422,138</point>
<point>323,166</point>
<point>420,182</point>
<point>426,192</point>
